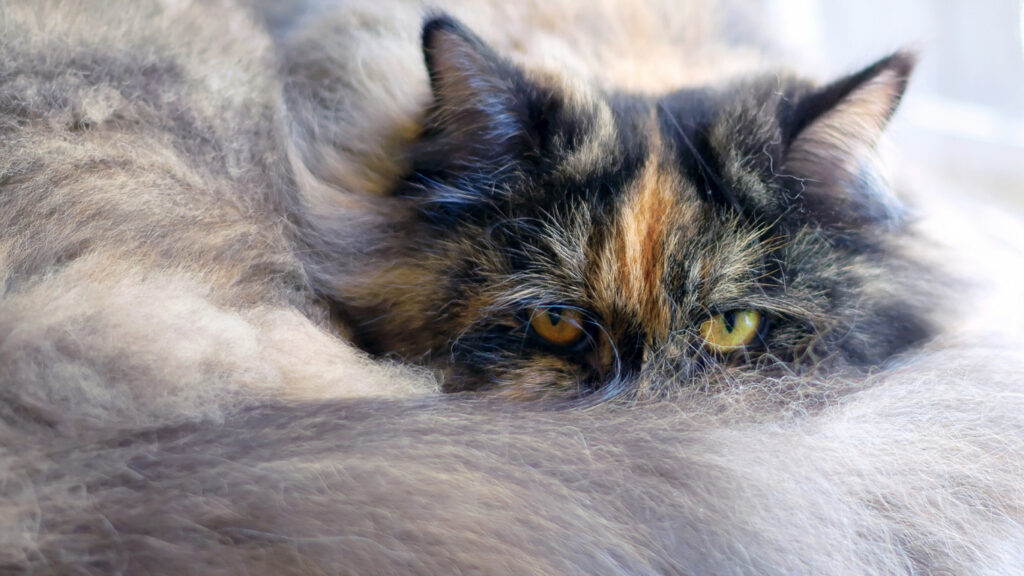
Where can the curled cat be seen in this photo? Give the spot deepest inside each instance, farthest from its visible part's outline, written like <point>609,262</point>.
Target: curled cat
<point>245,249</point>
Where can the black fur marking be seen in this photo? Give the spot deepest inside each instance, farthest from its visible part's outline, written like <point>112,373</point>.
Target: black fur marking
<point>481,190</point>
<point>894,328</point>
<point>685,118</point>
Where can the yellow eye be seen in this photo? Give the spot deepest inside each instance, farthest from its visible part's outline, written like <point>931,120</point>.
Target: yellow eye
<point>731,330</point>
<point>557,325</point>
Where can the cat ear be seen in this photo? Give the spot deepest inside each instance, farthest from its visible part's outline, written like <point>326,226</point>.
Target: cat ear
<point>831,142</point>
<point>480,100</point>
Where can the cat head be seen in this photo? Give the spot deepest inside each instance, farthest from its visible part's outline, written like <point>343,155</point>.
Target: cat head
<point>558,239</point>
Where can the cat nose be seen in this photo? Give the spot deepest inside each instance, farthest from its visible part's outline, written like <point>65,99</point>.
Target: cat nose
<point>616,361</point>
<point>645,373</point>
<point>671,361</point>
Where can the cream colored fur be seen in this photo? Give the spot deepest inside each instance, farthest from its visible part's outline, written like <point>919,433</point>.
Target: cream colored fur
<point>175,399</point>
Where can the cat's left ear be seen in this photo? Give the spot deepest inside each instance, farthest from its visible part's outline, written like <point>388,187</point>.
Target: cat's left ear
<point>831,138</point>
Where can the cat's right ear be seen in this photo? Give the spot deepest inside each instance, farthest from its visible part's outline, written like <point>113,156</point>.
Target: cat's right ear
<point>481,101</point>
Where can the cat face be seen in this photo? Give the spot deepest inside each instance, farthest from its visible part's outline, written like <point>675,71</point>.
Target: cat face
<point>563,240</point>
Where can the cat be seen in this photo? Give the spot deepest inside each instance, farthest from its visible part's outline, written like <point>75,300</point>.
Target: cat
<point>551,239</point>
<point>202,205</point>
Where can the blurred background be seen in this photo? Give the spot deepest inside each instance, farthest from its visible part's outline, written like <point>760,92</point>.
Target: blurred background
<point>963,117</point>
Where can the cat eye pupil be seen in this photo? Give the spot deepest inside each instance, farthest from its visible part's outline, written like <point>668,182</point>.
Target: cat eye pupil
<point>554,317</point>
<point>730,320</point>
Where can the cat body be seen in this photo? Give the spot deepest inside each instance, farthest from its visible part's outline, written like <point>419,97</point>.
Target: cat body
<point>195,223</point>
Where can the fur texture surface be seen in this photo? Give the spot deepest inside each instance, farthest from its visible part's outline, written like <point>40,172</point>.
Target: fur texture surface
<point>177,395</point>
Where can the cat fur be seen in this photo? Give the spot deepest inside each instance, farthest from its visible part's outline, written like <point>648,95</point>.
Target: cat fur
<point>176,397</point>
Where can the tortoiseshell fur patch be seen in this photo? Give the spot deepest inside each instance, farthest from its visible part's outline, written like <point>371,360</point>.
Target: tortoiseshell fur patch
<point>648,214</point>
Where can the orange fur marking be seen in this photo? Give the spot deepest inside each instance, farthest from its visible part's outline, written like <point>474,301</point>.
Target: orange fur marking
<point>636,268</point>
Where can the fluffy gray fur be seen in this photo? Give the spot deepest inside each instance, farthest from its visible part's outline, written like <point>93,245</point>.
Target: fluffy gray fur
<point>174,398</point>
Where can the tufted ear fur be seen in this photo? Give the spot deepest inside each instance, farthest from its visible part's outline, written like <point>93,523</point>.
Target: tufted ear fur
<point>481,108</point>
<point>483,131</point>
<point>831,137</point>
